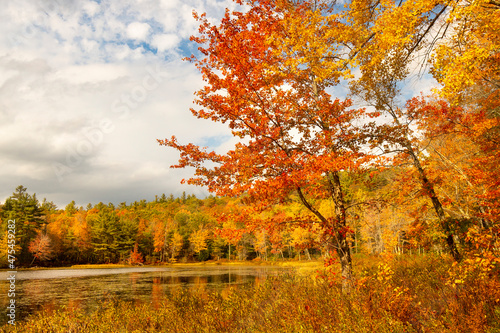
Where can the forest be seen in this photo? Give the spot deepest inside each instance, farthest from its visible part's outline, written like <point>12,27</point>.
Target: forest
<point>188,229</point>
<point>338,158</point>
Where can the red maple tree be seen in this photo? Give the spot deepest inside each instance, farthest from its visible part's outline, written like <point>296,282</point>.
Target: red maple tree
<point>296,139</point>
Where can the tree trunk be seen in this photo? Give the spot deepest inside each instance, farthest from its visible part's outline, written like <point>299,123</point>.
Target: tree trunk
<point>343,249</point>
<point>429,189</point>
<point>308,254</point>
<point>346,267</point>
<point>356,240</point>
<point>338,227</point>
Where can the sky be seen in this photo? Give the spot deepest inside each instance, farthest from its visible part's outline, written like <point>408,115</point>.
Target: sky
<point>86,88</point>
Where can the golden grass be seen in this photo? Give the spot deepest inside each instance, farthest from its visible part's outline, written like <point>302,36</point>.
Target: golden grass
<point>94,266</point>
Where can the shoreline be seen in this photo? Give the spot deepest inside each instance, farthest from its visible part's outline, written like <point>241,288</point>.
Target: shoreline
<point>285,263</point>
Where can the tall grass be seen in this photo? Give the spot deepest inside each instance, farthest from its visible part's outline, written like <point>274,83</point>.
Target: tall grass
<point>409,294</point>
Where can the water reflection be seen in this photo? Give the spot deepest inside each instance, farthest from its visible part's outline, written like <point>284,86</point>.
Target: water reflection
<point>86,289</point>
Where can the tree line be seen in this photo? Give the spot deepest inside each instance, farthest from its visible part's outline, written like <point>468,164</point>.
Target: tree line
<point>185,229</point>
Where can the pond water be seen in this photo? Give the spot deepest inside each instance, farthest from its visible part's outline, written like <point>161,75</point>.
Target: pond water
<point>38,290</point>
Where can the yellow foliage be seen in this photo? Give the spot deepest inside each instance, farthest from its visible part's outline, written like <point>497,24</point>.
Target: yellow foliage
<point>198,240</point>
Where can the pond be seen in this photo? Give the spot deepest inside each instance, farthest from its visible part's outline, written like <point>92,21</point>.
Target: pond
<point>38,290</point>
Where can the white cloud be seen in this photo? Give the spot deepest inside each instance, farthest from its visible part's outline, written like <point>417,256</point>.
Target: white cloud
<point>165,42</point>
<point>91,73</point>
<point>91,8</point>
<point>138,31</point>
<point>169,4</point>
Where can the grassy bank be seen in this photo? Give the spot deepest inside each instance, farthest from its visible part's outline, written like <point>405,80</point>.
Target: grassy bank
<point>300,264</point>
<point>190,264</point>
<point>409,294</point>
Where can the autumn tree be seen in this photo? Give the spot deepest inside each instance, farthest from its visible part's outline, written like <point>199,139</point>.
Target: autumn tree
<point>160,238</point>
<point>388,41</point>
<point>385,53</point>
<point>383,42</point>
<point>467,66</point>
<point>295,138</point>
<point>232,225</point>
<point>301,240</point>
<point>198,240</point>
<point>378,46</point>
<point>466,63</point>
<point>176,244</point>
<point>218,246</point>
<point>41,248</point>
<point>261,244</point>
<point>136,257</point>
<point>82,245</point>
<point>62,239</point>
<point>466,172</point>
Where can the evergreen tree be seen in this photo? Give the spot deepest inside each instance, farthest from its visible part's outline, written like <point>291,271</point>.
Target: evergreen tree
<point>28,214</point>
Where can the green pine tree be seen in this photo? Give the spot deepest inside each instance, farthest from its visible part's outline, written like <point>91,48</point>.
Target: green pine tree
<point>28,214</point>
